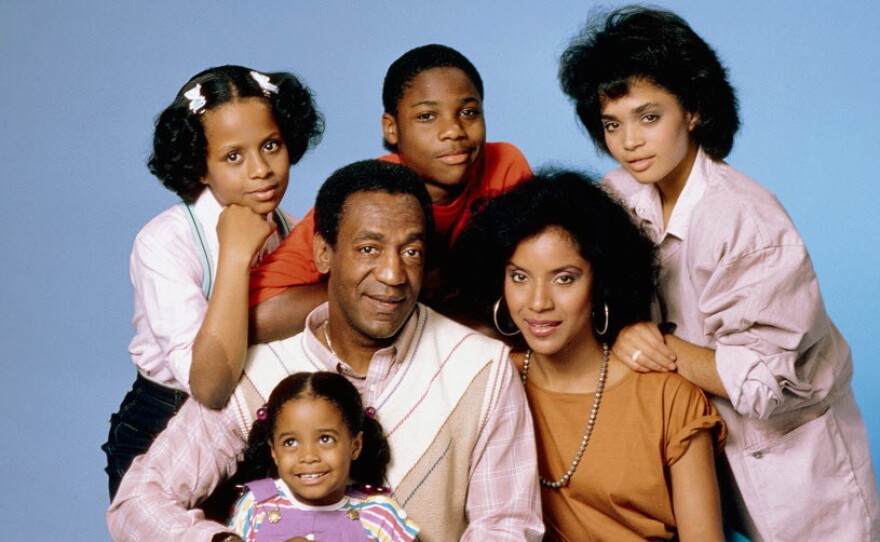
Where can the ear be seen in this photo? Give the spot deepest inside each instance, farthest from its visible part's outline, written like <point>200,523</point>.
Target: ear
<point>323,252</point>
<point>693,121</point>
<point>389,128</point>
<point>357,444</point>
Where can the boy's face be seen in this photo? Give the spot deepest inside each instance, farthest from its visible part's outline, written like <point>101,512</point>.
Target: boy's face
<point>439,130</point>
<point>649,133</point>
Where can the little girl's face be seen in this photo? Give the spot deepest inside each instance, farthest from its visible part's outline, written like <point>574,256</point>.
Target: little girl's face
<point>247,160</point>
<point>649,134</point>
<point>313,450</point>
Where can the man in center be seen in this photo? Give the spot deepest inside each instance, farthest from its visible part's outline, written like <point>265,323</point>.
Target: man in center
<point>463,454</point>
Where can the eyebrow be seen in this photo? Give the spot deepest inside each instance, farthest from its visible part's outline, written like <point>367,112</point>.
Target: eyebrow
<point>554,271</point>
<point>434,103</point>
<point>638,110</point>
<point>376,236</point>
<point>274,134</point>
<point>318,430</point>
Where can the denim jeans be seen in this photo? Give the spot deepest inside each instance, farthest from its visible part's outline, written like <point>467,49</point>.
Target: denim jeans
<point>143,414</point>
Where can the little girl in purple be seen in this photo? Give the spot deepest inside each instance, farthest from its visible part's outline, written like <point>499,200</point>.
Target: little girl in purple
<point>319,438</point>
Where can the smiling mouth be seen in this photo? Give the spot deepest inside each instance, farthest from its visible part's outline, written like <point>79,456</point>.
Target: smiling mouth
<point>264,194</point>
<point>311,475</point>
<point>390,302</point>
<point>456,158</point>
<point>542,328</point>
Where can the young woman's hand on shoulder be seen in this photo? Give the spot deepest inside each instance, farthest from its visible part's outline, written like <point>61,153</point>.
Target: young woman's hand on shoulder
<point>641,347</point>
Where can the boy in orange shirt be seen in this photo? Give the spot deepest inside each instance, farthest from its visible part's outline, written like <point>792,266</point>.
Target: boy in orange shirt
<point>433,123</point>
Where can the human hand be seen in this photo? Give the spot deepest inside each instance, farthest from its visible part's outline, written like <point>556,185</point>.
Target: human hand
<point>641,347</point>
<point>242,232</point>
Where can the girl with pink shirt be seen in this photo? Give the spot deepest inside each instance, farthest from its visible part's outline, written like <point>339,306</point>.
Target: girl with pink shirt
<point>225,146</point>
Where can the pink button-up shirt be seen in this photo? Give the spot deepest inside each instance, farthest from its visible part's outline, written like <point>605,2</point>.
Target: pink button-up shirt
<point>200,448</point>
<point>737,278</point>
<point>169,304</point>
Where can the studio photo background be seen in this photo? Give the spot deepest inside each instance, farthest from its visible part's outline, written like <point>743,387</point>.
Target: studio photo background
<point>82,82</point>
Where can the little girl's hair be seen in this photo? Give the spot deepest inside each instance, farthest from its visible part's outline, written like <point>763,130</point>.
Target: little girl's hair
<point>657,46</point>
<point>372,463</point>
<point>179,143</point>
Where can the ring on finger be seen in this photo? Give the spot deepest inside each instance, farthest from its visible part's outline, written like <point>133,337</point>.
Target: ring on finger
<point>635,355</point>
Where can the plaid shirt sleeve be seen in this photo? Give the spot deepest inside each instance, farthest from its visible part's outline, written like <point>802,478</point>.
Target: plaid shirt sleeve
<point>156,500</point>
<point>503,502</point>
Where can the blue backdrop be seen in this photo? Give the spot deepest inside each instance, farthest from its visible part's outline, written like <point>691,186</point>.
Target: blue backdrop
<point>82,81</point>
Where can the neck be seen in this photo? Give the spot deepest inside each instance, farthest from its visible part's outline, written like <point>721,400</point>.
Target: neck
<point>356,352</point>
<point>671,186</point>
<point>444,195</point>
<point>573,371</point>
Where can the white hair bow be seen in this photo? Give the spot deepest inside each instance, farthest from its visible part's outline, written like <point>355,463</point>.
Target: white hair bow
<point>263,81</point>
<point>196,100</point>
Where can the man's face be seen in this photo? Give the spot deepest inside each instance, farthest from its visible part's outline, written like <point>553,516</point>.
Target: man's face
<point>375,268</point>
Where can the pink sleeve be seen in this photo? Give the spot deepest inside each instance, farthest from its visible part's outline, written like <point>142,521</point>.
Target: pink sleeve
<point>156,500</point>
<point>503,502</point>
<point>166,279</point>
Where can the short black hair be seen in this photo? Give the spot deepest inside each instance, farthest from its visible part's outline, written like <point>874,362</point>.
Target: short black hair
<point>372,463</point>
<point>179,144</point>
<point>402,71</point>
<point>366,176</point>
<point>635,43</point>
<point>621,255</point>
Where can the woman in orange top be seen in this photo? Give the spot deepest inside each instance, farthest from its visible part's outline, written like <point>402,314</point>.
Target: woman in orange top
<point>622,455</point>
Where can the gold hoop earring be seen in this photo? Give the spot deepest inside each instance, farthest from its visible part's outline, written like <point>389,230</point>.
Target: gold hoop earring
<point>495,308</point>
<point>605,328</point>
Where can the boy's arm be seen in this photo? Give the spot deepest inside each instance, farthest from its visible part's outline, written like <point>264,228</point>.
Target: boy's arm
<point>157,496</point>
<point>503,501</point>
<point>220,346</point>
<point>284,315</point>
<point>286,286</point>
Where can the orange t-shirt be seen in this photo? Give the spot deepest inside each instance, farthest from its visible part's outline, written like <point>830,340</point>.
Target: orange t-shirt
<point>503,166</point>
<point>621,489</point>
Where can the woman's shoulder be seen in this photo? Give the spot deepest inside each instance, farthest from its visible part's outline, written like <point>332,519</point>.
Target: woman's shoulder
<point>735,198</point>
<point>736,217</point>
<point>622,184</point>
<point>667,384</point>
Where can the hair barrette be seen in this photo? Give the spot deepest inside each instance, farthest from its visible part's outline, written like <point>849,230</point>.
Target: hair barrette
<point>196,100</point>
<point>265,84</point>
<point>262,413</point>
<point>370,412</point>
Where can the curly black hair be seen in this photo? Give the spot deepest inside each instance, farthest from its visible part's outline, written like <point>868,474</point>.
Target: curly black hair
<point>621,256</point>
<point>371,465</point>
<point>402,71</point>
<point>179,144</point>
<point>367,176</point>
<point>635,43</point>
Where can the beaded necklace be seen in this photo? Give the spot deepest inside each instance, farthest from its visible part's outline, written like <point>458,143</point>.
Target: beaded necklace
<point>600,387</point>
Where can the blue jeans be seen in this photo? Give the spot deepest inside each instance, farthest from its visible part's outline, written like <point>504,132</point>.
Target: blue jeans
<point>143,414</point>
